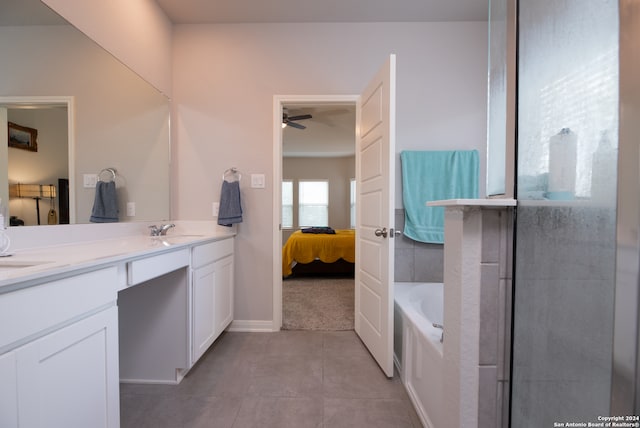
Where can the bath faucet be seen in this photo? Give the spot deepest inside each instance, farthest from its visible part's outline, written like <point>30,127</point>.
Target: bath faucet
<point>162,230</point>
<point>441,327</point>
<point>165,227</point>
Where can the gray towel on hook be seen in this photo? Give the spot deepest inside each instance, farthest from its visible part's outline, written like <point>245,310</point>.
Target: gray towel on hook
<point>105,204</point>
<point>230,210</point>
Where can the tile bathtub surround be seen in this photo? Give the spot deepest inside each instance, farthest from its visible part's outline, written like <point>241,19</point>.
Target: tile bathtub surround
<point>284,379</point>
<point>416,261</point>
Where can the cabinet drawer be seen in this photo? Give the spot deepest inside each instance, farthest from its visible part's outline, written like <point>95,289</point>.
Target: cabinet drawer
<point>211,252</point>
<point>35,309</point>
<point>152,267</point>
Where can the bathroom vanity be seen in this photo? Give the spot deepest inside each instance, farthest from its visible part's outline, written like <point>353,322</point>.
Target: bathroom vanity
<point>76,319</point>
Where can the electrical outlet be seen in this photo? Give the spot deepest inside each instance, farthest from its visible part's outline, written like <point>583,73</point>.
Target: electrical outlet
<point>131,209</point>
<point>215,208</point>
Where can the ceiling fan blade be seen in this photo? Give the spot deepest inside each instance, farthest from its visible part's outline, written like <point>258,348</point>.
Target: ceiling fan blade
<point>300,117</point>
<point>296,125</point>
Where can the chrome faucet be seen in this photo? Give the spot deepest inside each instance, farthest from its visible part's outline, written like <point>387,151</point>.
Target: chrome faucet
<point>441,327</point>
<point>165,227</point>
<point>162,230</point>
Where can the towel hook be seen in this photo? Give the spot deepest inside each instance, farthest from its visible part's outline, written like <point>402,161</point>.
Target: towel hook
<point>111,171</point>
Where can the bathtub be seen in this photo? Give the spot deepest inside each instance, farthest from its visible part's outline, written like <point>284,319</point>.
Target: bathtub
<point>417,347</point>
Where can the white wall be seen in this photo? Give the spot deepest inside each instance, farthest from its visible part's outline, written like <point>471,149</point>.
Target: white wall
<point>224,80</point>
<point>137,32</point>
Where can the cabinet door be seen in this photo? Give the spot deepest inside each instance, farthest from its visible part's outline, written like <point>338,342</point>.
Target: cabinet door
<point>8,388</point>
<point>204,334</point>
<point>223,295</point>
<point>69,378</point>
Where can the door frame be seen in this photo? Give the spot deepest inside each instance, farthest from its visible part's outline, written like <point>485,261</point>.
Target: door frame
<point>50,101</point>
<point>278,102</point>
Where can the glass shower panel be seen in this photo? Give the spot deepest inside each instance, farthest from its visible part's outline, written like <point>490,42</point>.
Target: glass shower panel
<point>566,218</point>
<point>497,98</point>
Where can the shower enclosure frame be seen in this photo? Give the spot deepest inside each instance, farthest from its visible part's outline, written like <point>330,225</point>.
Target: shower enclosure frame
<point>625,383</point>
<point>624,398</point>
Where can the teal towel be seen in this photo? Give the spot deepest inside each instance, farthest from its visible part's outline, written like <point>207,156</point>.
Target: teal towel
<point>433,176</point>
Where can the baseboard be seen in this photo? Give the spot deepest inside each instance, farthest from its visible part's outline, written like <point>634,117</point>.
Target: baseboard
<point>399,367</point>
<point>251,326</point>
<point>421,412</point>
<point>151,381</point>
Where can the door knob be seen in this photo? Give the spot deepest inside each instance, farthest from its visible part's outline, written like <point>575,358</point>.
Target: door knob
<point>381,232</point>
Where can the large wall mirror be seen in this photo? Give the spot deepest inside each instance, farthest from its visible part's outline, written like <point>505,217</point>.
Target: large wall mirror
<point>52,78</point>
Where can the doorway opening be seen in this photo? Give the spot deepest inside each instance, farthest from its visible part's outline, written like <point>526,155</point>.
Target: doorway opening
<point>320,156</point>
<point>50,165</point>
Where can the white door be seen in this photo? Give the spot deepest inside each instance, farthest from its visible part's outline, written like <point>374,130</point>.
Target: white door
<point>375,169</point>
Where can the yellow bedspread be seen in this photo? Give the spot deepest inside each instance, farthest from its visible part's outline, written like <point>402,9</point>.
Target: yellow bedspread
<point>307,247</point>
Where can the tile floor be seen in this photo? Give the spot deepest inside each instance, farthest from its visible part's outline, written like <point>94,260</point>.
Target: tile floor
<point>285,379</point>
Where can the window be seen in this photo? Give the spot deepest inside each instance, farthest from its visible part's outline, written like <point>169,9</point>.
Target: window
<point>352,199</point>
<point>287,204</point>
<point>313,203</point>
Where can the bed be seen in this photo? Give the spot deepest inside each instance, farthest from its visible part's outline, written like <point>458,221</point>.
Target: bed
<point>324,251</point>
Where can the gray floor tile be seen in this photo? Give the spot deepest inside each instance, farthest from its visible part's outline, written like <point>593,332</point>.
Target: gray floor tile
<point>285,379</point>
<point>135,408</point>
<point>295,342</point>
<point>271,412</point>
<point>343,343</point>
<point>287,376</point>
<point>226,380</point>
<point>366,413</point>
<point>348,376</point>
<point>192,412</point>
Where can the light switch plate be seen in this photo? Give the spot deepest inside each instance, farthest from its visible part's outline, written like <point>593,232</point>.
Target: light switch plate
<point>90,180</point>
<point>257,181</point>
<point>131,209</point>
<point>215,208</point>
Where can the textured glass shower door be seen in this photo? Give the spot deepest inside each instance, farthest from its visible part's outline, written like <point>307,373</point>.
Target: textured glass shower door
<point>565,253</point>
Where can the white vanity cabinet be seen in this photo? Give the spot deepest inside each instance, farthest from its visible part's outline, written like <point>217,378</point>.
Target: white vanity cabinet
<point>131,309</point>
<point>212,293</point>
<point>59,359</point>
<point>8,388</point>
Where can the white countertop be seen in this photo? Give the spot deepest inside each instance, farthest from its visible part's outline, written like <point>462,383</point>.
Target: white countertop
<point>490,203</point>
<point>31,265</point>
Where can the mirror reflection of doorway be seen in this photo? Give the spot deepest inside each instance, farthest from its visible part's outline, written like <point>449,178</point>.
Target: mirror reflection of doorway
<point>318,171</point>
<point>45,166</point>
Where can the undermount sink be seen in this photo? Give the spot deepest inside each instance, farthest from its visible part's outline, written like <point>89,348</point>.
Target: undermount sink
<point>10,265</point>
<point>176,239</point>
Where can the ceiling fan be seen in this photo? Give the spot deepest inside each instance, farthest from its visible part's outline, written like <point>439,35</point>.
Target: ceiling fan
<point>291,120</point>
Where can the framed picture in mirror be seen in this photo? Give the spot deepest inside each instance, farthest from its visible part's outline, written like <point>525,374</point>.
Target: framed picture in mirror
<point>22,137</point>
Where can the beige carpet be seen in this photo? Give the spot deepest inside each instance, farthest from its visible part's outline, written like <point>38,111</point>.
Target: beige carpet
<point>318,304</point>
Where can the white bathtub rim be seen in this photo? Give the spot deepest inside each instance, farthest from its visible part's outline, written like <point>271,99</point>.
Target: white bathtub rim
<point>417,324</point>
<point>419,320</point>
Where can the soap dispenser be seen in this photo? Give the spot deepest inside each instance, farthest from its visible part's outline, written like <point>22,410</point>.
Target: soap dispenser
<point>562,165</point>
<point>5,242</point>
<point>603,171</point>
